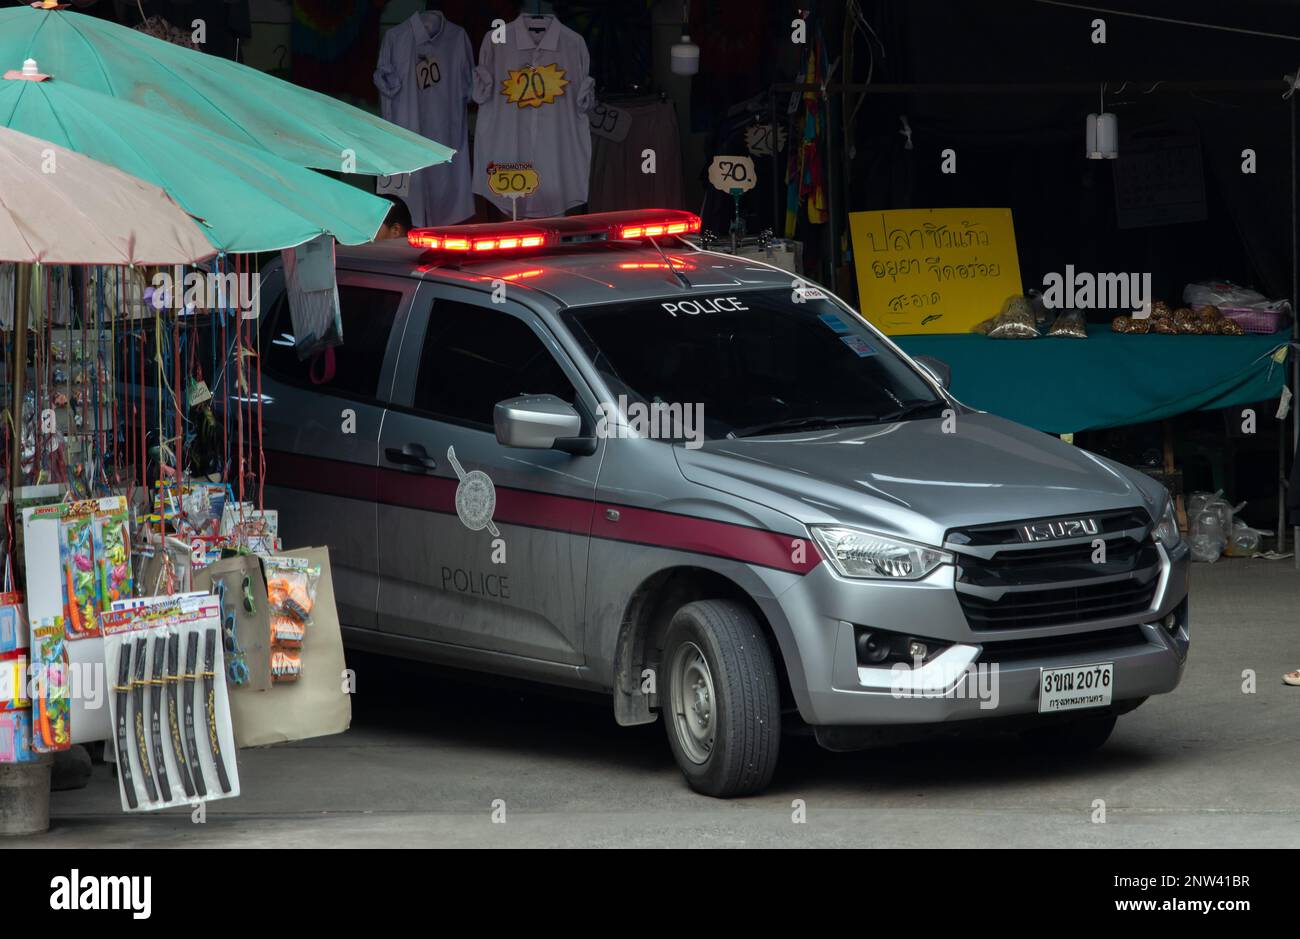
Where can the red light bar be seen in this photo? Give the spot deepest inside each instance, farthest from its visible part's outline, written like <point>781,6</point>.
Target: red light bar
<point>657,229</point>
<point>558,232</point>
<point>449,240</point>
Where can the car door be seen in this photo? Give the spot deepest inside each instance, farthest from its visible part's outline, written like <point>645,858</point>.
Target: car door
<point>521,591</point>
<point>322,418</point>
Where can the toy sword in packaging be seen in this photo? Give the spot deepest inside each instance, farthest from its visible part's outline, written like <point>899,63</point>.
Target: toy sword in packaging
<point>173,677</point>
<point>123,689</point>
<point>137,694</point>
<point>209,694</point>
<point>156,692</point>
<point>187,690</point>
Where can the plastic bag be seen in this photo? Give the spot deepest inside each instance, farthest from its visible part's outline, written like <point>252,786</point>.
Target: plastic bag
<point>291,587</point>
<point>1016,321</point>
<point>1197,501</point>
<point>1220,293</point>
<point>1205,549</point>
<point>291,590</point>
<point>1070,324</point>
<point>1245,540</point>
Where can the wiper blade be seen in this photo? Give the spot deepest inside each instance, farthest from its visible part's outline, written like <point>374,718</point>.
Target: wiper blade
<point>803,423</point>
<point>912,408</point>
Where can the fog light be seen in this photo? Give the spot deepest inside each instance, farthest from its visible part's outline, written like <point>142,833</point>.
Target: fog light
<point>917,650</point>
<point>872,649</point>
<point>1170,622</point>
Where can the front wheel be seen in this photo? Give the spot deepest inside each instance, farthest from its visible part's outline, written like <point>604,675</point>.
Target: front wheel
<point>722,705</point>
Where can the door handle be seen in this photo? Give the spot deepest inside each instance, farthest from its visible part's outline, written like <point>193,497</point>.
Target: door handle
<point>411,454</point>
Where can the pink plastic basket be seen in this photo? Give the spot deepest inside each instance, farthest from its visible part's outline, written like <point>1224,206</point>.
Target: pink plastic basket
<point>1255,321</point>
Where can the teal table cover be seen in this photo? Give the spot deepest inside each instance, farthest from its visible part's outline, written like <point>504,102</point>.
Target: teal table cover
<point>1063,385</point>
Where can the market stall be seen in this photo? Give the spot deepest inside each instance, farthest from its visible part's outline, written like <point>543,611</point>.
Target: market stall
<point>138,554</point>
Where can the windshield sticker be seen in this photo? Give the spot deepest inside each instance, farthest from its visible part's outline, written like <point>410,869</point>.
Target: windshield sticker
<point>858,345</point>
<point>835,323</point>
<point>804,292</point>
<point>709,305</point>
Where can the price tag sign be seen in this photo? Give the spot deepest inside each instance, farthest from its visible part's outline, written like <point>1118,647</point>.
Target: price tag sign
<point>512,180</point>
<point>610,123</point>
<point>398,185</point>
<point>732,173</point>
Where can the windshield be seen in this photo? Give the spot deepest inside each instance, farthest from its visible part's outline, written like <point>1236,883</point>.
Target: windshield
<point>752,363</point>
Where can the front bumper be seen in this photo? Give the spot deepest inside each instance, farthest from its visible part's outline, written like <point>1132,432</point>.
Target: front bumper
<point>981,676</point>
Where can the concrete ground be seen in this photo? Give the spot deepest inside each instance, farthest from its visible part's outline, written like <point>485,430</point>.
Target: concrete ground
<point>1207,766</point>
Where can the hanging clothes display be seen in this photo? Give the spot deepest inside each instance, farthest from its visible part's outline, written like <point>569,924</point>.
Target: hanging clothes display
<point>533,93</point>
<point>805,176</point>
<point>623,131</point>
<point>424,78</point>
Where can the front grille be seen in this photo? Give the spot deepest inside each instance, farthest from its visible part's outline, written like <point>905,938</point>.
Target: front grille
<point>1009,532</point>
<point>1102,642</point>
<point>1010,584</point>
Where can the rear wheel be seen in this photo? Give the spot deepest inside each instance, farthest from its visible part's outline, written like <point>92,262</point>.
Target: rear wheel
<point>1079,736</point>
<point>721,702</point>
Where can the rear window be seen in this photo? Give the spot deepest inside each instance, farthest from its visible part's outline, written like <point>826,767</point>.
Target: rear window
<point>350,369</point>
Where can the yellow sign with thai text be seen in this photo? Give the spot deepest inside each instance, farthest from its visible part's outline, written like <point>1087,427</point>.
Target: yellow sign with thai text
<point>934,270</point>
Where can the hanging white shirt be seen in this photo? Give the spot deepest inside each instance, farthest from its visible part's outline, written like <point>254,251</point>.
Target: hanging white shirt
<point>533,93</point>
<point>424,77</point>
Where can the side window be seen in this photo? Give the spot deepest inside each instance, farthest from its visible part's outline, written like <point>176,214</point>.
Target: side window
<point>475,356</point>
<point>350,369</point>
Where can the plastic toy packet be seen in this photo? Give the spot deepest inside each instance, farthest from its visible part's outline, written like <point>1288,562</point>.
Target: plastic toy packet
<point>291,587</point>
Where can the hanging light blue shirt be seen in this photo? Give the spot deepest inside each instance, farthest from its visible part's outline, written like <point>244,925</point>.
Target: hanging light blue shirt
<point>424,78</point>
<point>533,93</point>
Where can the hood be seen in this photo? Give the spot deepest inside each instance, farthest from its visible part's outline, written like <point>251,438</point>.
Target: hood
<point>913,480</point>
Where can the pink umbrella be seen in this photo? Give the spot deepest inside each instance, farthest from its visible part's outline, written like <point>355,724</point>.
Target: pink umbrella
<point>59,207</point>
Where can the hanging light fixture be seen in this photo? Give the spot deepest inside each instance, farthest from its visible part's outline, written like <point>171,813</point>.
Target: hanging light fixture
<point>685,55</point>
<point>1101,133</point>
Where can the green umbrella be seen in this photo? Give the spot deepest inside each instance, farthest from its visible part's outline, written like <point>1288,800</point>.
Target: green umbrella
<point>246,199</point>
<point>233,100</point>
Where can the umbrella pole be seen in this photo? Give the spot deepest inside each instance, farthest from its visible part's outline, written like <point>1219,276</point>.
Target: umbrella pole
<point>22,296</point>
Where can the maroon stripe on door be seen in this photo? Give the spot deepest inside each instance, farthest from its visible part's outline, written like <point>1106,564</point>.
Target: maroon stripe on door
<point>543,510</point>
<point>706,536</point>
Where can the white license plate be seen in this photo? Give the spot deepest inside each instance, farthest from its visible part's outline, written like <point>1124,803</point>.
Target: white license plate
<point>1079,686</point>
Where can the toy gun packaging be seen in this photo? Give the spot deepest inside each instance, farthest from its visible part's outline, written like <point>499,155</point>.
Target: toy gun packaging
<point>169,705</point>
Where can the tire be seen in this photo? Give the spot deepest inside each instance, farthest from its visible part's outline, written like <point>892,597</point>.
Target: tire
<point>721,703</point>
<point>1074,738</point>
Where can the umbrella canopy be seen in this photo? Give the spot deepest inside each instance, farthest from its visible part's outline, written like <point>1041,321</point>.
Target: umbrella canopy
<point>59,207</point>
<point>229,99</point>
<point>246,198</point>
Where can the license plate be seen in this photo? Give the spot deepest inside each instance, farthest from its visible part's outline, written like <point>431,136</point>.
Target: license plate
<point>1076,687</point>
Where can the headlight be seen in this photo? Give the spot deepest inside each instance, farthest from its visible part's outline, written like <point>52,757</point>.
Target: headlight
<point>855,553</point>
<point>1166,530</point>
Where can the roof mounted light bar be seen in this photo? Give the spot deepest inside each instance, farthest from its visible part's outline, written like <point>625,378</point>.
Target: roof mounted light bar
<point>540,234</point>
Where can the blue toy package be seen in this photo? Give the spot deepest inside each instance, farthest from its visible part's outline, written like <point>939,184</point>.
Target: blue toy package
<point>13,623</point>
<point>16,737</point>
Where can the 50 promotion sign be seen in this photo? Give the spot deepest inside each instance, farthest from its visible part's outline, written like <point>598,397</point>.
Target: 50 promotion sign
<point>512,179</point>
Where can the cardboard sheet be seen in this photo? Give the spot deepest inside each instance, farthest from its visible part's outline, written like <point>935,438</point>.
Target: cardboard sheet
<point>316,704</point>
<point>252,629</point>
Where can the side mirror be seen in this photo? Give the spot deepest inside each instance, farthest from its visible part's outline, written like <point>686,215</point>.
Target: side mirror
<point>540,422</point>
<point>939,369</point>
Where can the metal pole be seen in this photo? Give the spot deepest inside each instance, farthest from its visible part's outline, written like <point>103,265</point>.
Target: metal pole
<point>22,294</point>
<point>1295,334</point>
<point>778,203</point>
<point>832,261</point>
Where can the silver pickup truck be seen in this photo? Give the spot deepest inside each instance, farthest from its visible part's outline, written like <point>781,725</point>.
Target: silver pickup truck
<point>583,452</point>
